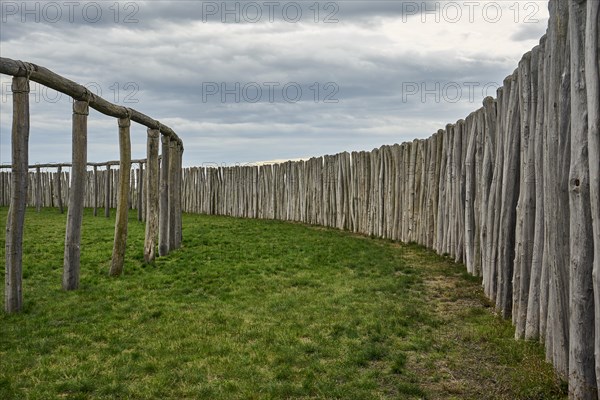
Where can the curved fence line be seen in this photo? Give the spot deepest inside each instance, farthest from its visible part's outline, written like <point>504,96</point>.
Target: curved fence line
<point>511,191</point>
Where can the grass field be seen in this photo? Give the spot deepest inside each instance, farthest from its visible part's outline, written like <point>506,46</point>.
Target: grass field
<point>253,309</point>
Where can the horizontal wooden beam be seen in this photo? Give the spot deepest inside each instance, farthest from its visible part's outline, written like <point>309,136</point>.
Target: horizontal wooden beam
<point>89,164</point>
<point>54,81</point>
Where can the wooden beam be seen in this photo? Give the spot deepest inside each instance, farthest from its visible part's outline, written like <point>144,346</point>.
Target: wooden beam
<point>163,220</point>
<point>592,75</point>
<point>18,199</point>
<point>582,373</point>
<point>79,92</point>
<point>107,194</point>
<point>120,243</point>
<point>152,195</point>
<point>71,265</point>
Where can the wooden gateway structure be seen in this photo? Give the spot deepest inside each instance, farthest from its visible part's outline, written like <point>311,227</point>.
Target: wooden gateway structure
<point>161,202</point>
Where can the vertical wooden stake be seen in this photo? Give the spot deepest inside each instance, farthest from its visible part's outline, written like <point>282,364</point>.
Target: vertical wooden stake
<point>59,189</point>
<point>178,195</point>
<point>118,255</point>
<point>71,264</point>
<point>140,192</point>
<point>163,220</point>
<point>582,373</point>
<point>13,295</point>
<point>172,193</point>
<point>152,204</point>
<point>107,194</point>
<point>95,190</point>
<point>592,75</point>
<point>38,190</point>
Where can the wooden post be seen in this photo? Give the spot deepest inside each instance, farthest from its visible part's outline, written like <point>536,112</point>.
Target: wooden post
<point>71,264</point>
<point>556,184</point>
<point>140,191</point>
<point>163,220</point>
<point>13,296</point>
<point>38,190</point>
<point>152,183</point>
<point>95,190</point>
<point>592,75</point>
<point>120,244</point>
<point>534,305</point>
<point>525,225</point>
<point>178,196</point>
<point>582,374</point>
<point>107,194</point>
<point>59,199</point>
<point>172,193</point>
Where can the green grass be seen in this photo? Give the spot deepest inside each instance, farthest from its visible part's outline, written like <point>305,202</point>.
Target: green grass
<point>253,309</point>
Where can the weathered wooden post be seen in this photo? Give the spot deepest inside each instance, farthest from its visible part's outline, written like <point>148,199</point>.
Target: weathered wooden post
<point>556,183</point>
<point>59,189</point>
<point>172,193</point>
<point>592,75</point>
<point>178,194</point>
<point>107,190</point>
<point>152,180</point>
<point>525,223</point>
<point>13,295</point>
<point>140,191</point>
<point>534,305</point>
<point>120,243</point>
<point>95,190</point>
<point>163,220</point>
<point>38,190</point>
<point>71,264</point>
<point>582,374</point>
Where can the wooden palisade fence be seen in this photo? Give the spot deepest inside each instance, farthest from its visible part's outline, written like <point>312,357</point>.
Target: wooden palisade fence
<point>43,188</point>
<point>512,191</point>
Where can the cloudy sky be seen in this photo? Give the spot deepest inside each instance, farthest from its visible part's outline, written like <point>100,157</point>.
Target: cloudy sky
<point>244,81</point>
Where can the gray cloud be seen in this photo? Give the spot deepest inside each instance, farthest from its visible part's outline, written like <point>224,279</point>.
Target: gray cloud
<point>164,64</point>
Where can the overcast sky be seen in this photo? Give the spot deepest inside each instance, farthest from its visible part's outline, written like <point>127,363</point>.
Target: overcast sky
<point>243,81</point>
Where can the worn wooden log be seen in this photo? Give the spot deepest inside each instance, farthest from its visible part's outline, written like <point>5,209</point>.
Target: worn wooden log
<point>120,242</point>
<point>173,193</point>
<point>152,195</point>
<point>509,197</point>
<point>13,295</point>
<point>95,191</point>
<point>525,212</point>
<point>177,195</point>
<point>38,190</point>
<point>79,92</point>
<point>107,191</point>
<point>495,201</point>
<point>556,200</point>
<point>89,164</point>
<point>140,192</point>
<point>163,221</point>
<point>71,262</point>
<point>592,81</point>
<point>534,305</point>
<point>582,373</point>
<point>59,198</point>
